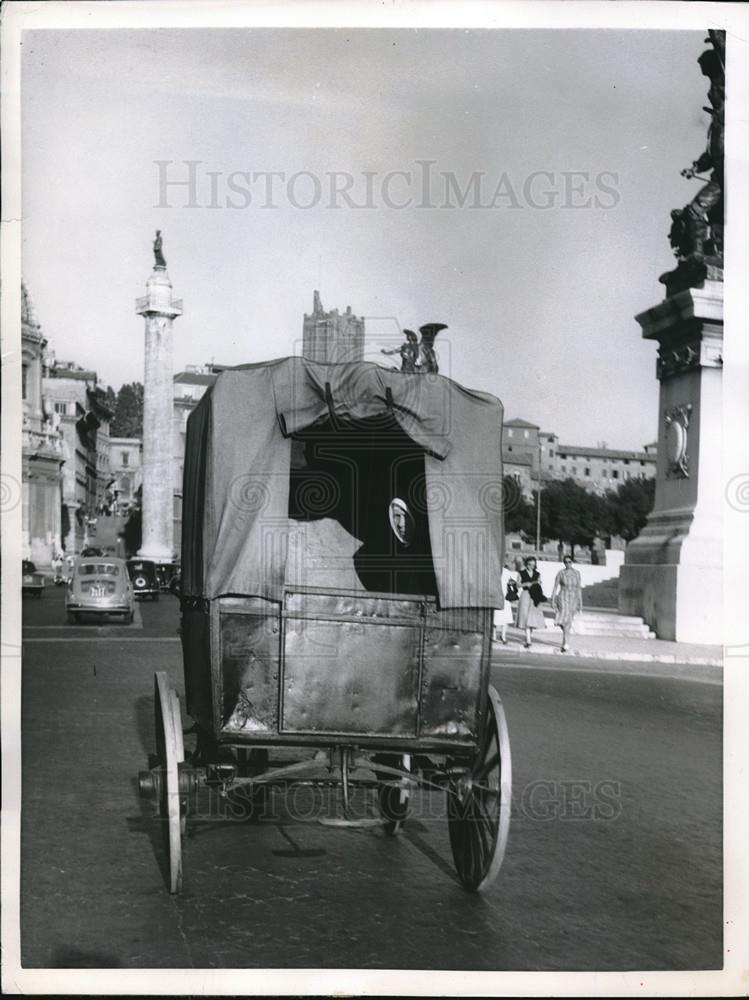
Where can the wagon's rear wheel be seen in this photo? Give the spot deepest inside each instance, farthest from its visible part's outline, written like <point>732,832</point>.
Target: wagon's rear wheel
<point>170,752</point>
<point>478,804</point>
<point>395,800</point>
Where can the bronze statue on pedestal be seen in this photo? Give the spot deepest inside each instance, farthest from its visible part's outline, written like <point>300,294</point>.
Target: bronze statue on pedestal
<point>696,234</point>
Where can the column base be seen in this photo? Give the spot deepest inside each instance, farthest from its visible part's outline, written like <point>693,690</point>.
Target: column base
<point>682,603</point>
<point>156,553</point>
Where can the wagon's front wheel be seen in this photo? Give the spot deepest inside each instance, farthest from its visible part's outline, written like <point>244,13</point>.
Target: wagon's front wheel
<point>170,752</point>
<point>478,804</point>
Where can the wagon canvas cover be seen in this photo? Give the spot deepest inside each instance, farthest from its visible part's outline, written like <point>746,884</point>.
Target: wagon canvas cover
<point>235,528</point>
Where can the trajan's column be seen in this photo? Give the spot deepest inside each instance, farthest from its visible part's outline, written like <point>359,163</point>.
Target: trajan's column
<point>159,309</point>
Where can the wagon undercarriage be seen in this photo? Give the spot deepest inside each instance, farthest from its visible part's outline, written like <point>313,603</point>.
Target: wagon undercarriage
<point>477,786</point>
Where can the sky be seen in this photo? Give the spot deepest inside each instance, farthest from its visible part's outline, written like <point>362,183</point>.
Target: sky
<point>564,147</point>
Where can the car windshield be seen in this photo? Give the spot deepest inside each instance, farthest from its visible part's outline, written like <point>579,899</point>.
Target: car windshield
<point>98,569</point>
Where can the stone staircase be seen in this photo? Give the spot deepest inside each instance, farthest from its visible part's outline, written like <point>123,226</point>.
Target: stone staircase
<point>601,616</point>
<point>602,595</point>
<point>605,622</point>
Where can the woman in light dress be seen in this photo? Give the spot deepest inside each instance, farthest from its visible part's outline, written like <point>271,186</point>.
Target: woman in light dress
<point>530,615</point>
<point>566,599</point>
<point>506,615</point>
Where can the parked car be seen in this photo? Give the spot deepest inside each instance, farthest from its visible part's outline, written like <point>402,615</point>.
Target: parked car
<point>166,572</point>
<point>99,586</point>
<point>144,578</point>
<point>32,580</point>
<point>92,550</point>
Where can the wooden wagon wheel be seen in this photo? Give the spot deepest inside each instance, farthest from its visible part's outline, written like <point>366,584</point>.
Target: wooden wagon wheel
<point>479,802</point>
<point>170,752</point>
<point>395,799</point>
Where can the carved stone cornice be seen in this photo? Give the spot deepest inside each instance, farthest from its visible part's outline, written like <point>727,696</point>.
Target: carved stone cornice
<point>704,352</point>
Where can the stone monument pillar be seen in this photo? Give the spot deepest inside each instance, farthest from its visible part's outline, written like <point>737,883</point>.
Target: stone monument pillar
<point>672,575</point>
<point>159,309</point>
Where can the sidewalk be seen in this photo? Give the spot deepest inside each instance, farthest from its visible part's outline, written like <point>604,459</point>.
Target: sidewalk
<point>548,643</point>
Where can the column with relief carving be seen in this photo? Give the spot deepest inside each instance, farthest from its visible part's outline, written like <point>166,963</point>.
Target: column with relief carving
<point>159,310</point>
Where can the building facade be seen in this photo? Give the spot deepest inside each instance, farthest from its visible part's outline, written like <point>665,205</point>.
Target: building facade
<point>83,418</point>
<point>597,468</point>
<point>188,387</point>
<point>332,337</point>
<point>601,469</point>
<point>42,453</point>
<point>126,470</point>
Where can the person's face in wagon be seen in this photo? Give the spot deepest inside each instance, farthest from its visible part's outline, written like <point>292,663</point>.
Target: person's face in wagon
<point>401,522</point>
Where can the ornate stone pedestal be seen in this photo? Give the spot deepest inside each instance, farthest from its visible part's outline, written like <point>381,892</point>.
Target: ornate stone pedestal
<point>672,576</point>
<point>159,309</point>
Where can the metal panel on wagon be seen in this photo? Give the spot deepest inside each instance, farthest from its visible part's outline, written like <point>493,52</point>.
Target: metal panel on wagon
<point>450,682</point>
<point>350,677</point>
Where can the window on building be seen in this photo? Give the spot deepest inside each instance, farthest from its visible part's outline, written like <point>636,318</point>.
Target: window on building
<point>525,434</point>
<point>125,458</point>
<point>626,461</point>
<point>587,472</point>
<point>574,470</point>
<point>516,545</point>
<point>641,462</point>
<point>615,474</point>
<point>626,474</point>
<point>509,447</point>
<point>509,433</point>
<point>564,468</point>
<point>551,452</point>
<point>24,382</point>
<point>61,408</point>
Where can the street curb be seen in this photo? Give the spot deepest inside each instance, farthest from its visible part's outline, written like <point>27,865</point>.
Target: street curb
<point>668,658</point>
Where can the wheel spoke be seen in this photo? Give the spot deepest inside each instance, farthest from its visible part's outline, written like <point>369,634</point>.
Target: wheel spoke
<point>481,772</point>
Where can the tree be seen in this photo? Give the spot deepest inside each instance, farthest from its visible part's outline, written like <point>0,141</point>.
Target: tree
<point>570,514</point>
<point>110,399</point>
<point>519,513</point>
<point>628,507</point>
<point>128,412</point>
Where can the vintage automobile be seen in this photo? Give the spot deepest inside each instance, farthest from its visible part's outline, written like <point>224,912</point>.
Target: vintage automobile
<point>99,586</point>
<point>144,577</point>
<point>342,549</point>
<point>32,581</point>
<point>165,571</point>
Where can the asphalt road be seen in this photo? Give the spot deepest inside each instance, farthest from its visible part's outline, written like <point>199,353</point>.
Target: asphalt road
<point>613,862</point>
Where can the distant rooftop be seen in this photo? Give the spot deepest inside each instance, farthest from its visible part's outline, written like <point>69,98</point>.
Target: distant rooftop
<point>574,449</point>
<point>516,459</point>
<point>69,369</point>
<point>196,377</point>
<point>520,423</point>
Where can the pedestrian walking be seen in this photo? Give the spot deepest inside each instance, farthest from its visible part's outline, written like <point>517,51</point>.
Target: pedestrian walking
<point>506,615</point>
<point>566,599</point>
<point>530,615</point>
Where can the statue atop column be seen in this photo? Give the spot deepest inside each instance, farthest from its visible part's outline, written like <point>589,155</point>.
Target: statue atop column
<point>159,260</point>
<point>696,234</point>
